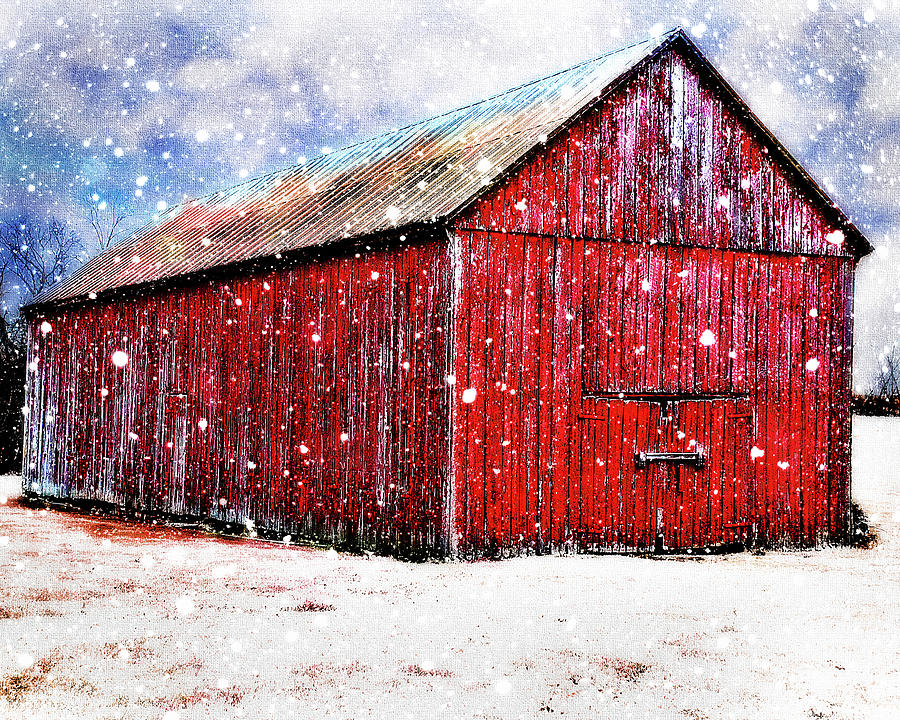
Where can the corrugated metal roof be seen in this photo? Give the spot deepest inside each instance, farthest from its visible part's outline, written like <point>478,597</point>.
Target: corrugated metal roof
<point>418,174</point>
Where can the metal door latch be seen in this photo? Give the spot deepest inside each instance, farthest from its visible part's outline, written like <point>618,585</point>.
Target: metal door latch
<point>642,459</point>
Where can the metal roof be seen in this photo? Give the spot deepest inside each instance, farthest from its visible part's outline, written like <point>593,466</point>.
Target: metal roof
<point>418,174</point>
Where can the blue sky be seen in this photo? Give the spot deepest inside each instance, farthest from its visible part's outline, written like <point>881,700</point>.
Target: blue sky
<point>155,101</point>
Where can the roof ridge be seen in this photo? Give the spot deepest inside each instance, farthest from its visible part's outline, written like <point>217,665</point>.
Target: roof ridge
<point>396,130</point>
<point>512,89</point>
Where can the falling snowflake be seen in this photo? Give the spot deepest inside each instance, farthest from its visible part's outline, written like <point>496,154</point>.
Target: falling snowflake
<point>835,238</point>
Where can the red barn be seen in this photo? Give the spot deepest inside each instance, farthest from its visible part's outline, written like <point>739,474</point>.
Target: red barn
<point>604,310</point>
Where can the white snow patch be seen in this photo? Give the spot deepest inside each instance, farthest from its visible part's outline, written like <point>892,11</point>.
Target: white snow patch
<point>184,605</point>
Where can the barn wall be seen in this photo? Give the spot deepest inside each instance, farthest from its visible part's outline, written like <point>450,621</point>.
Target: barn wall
<point>574,321</point>
<point>231,408</point>
<point>664,185</point>
<point>664,159</point>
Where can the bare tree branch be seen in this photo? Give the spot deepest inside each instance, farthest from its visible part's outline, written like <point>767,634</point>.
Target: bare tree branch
<point>108,219</point>
<point>37,255</point>
<point>886,383</point>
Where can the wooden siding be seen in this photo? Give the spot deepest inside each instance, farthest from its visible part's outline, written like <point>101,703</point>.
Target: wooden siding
<point>236,393</point>
<point>548,327</point>
<point>556,336</point>
<point>666,159</point>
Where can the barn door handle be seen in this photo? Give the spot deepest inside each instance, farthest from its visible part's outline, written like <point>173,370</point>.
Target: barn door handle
<point>642,459</point>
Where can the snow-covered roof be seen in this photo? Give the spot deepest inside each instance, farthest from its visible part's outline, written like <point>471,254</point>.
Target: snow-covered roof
<point>420,174</point>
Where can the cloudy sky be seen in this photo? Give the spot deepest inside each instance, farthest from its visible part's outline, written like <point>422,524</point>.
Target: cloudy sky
<point>150,102</point>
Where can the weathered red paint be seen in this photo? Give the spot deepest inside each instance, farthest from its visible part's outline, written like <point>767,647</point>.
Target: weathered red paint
<point>307,400</point>
<point>572,299</point>
<point>617,293</point>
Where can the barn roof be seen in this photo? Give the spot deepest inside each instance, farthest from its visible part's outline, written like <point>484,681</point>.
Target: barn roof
<point>419,174</point>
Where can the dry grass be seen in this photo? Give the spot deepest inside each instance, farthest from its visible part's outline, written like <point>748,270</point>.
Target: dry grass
<point>627,670</point>
<point>312,606</point>
<point>419,671</point>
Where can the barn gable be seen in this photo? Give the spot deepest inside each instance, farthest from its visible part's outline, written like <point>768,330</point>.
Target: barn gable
<point>655,160</point>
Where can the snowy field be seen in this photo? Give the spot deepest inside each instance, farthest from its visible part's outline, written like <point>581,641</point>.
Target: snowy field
<point>102,619</point>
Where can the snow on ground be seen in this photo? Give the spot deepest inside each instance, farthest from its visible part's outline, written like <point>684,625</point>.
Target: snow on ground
<point>105,619</point>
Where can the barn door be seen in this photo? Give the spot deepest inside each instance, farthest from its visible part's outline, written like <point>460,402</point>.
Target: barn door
<point>174,452</point>
<point>663,473</point>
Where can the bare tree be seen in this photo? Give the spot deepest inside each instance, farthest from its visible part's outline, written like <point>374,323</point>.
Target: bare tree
<point>886,383</point>
<point>37,255</point>
<point>33,256</point>
<point>109,219</point>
